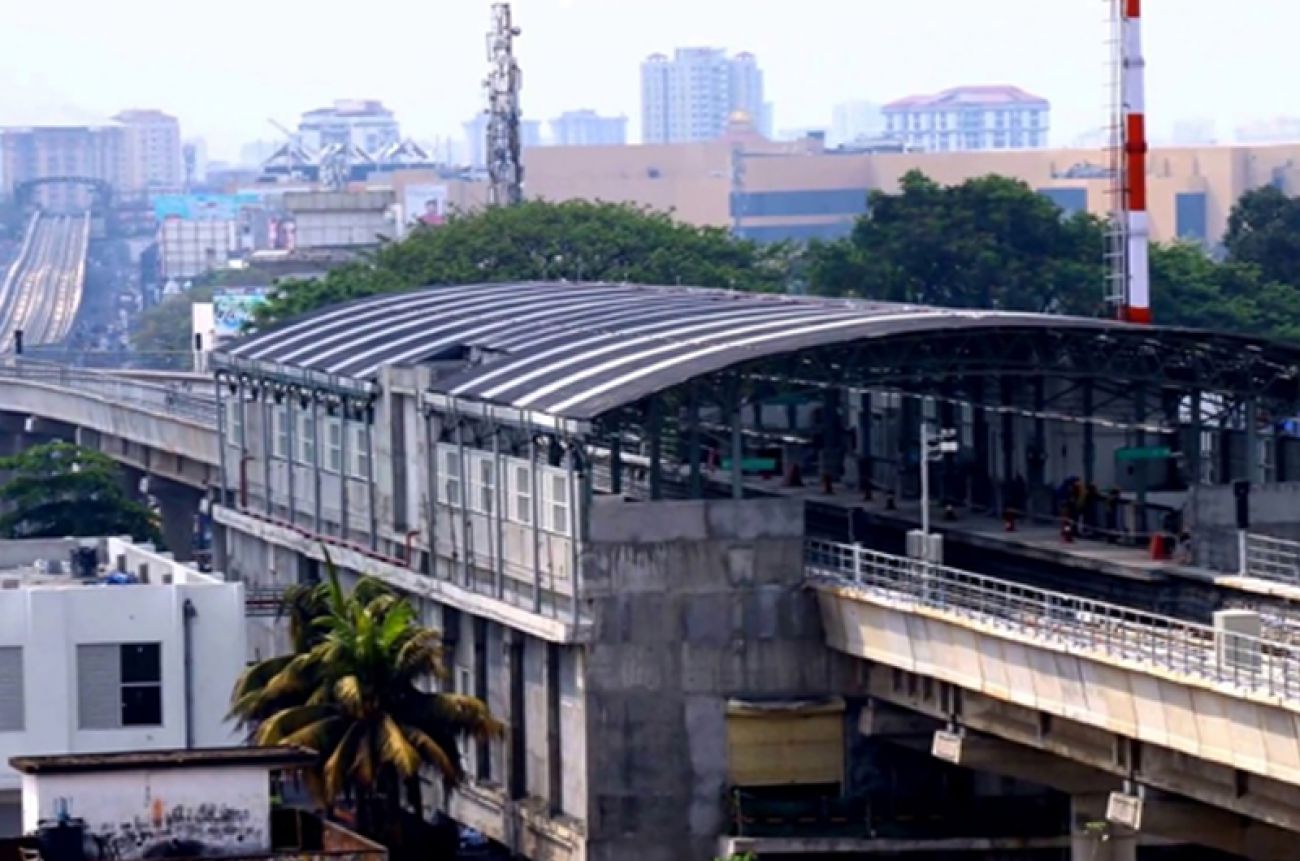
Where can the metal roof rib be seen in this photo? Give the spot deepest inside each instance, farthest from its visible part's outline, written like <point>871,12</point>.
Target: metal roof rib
<point>579,350</point>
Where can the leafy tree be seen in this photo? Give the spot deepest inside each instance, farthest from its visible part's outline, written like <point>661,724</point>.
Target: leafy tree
<point>1264,230</point>
<point>537,240</point>
<point>991,242</point>
<point>351,690</point>
<point>59,489</point>
<point>168,326</point>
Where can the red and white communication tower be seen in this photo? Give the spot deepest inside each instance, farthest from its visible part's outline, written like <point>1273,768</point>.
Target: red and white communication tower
<point>1130,253</point>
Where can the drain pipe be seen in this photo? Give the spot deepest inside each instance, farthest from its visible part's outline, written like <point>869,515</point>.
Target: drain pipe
<point>188,615</point>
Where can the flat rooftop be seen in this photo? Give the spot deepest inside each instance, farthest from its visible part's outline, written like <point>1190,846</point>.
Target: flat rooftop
<point>214,757</point>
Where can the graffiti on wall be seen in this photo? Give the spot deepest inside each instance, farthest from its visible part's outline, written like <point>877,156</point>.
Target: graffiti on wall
<point>184,831</point>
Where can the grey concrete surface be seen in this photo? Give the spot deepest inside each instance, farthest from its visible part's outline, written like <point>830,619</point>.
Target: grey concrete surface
<point>697,604</point>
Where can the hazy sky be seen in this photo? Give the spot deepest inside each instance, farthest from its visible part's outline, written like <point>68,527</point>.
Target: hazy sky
<point>223,67</point>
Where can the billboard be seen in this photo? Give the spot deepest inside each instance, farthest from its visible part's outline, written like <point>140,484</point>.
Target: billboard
<point>232,307</point>
<point>202,207</point>
<point>424,204</point>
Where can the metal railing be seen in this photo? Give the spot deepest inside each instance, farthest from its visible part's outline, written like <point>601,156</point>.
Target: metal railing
<point>115,360</point>
<point>1270,558</point>
<point>1246,663</point>
<point>168,399</point>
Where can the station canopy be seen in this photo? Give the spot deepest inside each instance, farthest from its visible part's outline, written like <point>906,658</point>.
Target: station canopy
<point>584,350</point>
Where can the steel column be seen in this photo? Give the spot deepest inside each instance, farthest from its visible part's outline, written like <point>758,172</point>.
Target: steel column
<point>222,442</point>
<point>315,464</point>
<point>370,478</point>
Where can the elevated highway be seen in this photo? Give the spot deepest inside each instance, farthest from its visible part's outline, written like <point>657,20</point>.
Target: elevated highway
<point>1209,713</point>
<point>42,290</point>
<point>164,429</point>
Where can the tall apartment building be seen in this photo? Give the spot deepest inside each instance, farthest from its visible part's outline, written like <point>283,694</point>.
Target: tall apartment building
<point>151,144</point>
<point>43,152</point>
<point>588,128</point>
<point>364,124</point>
<point>691,96</point>
<point>970,118</point>
<point>530,135</point>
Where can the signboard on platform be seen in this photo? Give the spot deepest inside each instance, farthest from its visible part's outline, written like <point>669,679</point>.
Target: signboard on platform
<point>1154,452</point>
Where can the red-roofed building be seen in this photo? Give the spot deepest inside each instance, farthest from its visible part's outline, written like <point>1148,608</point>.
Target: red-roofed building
<point>970,118</point>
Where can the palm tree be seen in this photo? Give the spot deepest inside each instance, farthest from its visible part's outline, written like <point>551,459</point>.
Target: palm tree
<point>351,691</point>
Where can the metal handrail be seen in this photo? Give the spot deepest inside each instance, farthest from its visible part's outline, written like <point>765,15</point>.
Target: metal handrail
<point>1083,626</point>
<point>1270,558</point>
<point>153,397</point>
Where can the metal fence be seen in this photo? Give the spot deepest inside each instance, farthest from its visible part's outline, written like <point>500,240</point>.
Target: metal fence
<point>170,399</point>
<point>1259,665</point>
<point>1272,558</point>
<point>112,359</point>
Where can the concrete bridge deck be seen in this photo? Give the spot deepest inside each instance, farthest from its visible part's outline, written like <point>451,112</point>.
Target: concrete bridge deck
<point>1202,711</point>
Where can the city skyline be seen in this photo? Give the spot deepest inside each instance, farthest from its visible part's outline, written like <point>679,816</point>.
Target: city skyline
<point>812,60</point>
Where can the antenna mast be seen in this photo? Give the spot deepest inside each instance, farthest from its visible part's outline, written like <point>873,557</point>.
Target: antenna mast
<point>505,169</point>
<point>1129,241</point>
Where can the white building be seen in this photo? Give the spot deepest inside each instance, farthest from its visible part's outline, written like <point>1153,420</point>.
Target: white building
<point>95,668</point>
<point>588,128</point>
<point>361,123</point>
<point>210,803</point>
<point>530,135</point>
<point>691,96</point>
<point>854,121</point>
<point>151,145</point>
<point>193,247</point>
<point>970,118</point>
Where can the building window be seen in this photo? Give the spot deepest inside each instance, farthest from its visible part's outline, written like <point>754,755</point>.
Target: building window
<point>234,420</point>
<point>483,484</point>
<point>280,430</point>
<point>557,502</point>
<point>450,474</point>
<point>334,444</point>
<point>306,437</point>
<point>522,491</point>
<point>12,706</point>
<point>360,466</point>
<point>119,685</point>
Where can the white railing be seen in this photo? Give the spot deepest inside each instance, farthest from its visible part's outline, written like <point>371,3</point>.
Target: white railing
<point>161,398</point>
<point>1271,558</point>
<point>1254,664</point>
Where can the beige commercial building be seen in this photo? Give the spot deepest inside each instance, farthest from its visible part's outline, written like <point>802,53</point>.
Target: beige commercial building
<point>799,190</point>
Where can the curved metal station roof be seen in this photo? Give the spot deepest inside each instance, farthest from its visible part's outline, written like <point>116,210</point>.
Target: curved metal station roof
<point>579,350</point>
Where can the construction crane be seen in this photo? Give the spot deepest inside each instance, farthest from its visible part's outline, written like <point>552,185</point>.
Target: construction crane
<point>504,81</point>
<point>1128,241</point>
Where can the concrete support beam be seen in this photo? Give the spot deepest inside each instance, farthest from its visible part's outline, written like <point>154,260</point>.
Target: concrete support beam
<point>1092,837</point>
<point>994,756</point>
<point>179,506</point>
<point>1262,800</point>
<point>881,720</point>
<point>1155,812</point>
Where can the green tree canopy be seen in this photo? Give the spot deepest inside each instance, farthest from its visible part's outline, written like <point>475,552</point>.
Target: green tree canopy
<point>1264,231</point>
<point>59,489</point>
<point>168,326</point>
<point>990,242</point>
<point>575,240</point>
<point>353,689</point>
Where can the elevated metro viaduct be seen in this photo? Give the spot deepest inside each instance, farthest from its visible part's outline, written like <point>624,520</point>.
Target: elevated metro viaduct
<point>572,480</point>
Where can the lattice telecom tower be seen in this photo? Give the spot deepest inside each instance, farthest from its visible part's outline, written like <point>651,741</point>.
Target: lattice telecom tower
<point>505,169</point>
<point>1128,239</point>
